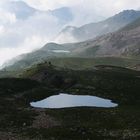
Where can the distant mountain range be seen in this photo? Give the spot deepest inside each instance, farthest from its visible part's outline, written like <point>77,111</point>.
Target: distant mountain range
<point>92,30</point>
<point>23,11</point>
<point>124,43</point>
<point>64,14</point>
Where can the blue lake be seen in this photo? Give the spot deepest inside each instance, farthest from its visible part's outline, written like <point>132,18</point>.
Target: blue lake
<point>67,101</point>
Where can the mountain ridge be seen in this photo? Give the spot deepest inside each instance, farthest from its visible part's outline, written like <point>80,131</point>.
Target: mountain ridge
<point>124,43</point>
<point>92,30</point>
<point>23,11</point>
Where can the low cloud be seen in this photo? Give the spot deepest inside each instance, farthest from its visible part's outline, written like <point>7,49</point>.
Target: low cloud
<point>29,44</point>
<point>87,10</point>
<point>18,36</point>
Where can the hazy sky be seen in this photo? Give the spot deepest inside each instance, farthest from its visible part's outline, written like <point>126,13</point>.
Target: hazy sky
<point>115,4</point>
<point>21,35</point>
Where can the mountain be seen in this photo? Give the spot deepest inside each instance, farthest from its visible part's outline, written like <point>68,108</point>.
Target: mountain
<point>132,25</point>
<point>124,43</point>
<point>23,11</point>
<point>92,30</point>
<point>64,14</point>
<point>50,50</point>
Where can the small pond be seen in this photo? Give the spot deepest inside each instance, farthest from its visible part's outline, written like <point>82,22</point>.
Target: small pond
<point>67,101</point>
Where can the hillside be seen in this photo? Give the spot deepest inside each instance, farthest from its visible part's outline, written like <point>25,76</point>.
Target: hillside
<point>92,30</point>
<point>50,50</point>
<point>132,25</point>
<point>74,63</point>
<point>124,43</point>
<point>18,120</point>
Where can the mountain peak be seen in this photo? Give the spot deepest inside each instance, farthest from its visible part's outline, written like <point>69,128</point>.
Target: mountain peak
<point>69,28</point>
<point>129,11</point>
<point>21,9</point>
<point>19,3</point>
<point>64,13</point>
<point>92,30</point>
<point>127,15</point>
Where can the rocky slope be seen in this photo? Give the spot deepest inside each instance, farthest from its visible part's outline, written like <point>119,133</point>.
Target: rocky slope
<point>92,30</point>
<point>125,43</point>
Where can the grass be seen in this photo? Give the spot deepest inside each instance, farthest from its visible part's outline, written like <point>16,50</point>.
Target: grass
<point>116,83</point>
<point>15,85</point>
<point>75,63</point>
<point>89,63</point>
<point>92,123</point>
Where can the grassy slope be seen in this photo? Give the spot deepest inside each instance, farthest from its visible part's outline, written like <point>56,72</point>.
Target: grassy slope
<point>119,84</point>
<point>77,63</point>
<point>89,63</point>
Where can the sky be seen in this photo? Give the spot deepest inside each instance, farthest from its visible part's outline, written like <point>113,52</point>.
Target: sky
<point>22,33</point>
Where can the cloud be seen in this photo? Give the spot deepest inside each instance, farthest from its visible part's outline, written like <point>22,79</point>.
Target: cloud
<point>19,35</point>
<point>29,44</point>
<point>21,38</point>
<point>52,4</point>
<point>7,17</point>
<point>86,11</point>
